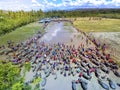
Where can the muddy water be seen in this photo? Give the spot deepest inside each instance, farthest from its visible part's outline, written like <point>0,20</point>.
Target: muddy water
<point>57,33</point>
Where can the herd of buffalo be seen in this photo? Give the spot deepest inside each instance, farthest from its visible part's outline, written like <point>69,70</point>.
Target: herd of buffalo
<point>67,59</point>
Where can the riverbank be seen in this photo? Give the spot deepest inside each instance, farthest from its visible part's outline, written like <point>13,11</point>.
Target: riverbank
<point>112,39</point>
<point>21,34</point>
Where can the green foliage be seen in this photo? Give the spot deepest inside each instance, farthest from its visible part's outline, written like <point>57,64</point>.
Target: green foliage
<point>37,80</point>
<point>27,66</point>
<point>10,20</point>
<point>37,87</point>
<point>27,87</point>
<point>25,31</point>
<point>17,86</point>
<point>20,85</point>
<point>106,13</point>
<point>8,75</point>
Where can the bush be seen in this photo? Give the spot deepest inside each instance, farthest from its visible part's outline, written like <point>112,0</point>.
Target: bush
<point>9,74</point>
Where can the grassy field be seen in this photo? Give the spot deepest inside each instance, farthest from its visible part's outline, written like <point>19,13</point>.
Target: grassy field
<point>103,25</point>
<point>21,34</point>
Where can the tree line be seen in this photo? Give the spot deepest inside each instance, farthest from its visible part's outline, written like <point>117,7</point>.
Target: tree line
<point>106,13</point>
<point>10,20</point>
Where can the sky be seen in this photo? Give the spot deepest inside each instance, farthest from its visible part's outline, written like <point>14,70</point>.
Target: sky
<point>46,5</point>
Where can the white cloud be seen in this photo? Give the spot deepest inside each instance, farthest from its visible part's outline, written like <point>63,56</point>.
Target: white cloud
<point>86,3</point>
<point>45,4</point>
<point>35,3</point>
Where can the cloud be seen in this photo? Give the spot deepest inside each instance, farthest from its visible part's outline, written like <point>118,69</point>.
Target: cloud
<point>68,4</point>
<point>35,3</point>
<point>56,4</point>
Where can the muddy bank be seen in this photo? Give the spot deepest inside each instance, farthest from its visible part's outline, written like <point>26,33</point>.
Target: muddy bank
<point>112,39</point>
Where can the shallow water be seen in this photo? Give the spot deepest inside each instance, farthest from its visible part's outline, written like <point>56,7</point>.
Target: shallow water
<point>56,33</point>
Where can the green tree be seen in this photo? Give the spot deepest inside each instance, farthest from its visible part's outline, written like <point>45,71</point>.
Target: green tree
<point>10,20</point>
<point>27,66</point>
<point>18,86</point>
<point>9,74</point>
